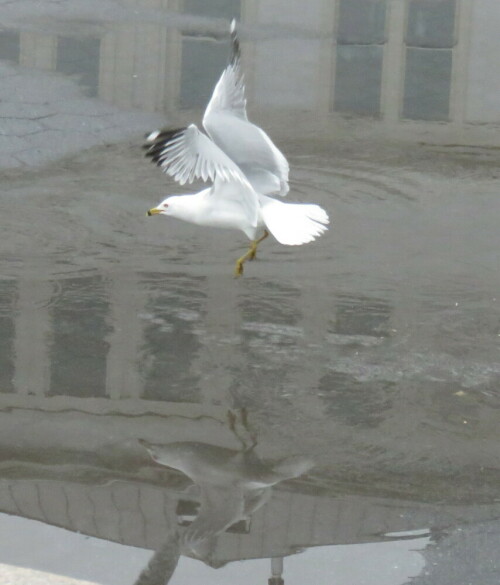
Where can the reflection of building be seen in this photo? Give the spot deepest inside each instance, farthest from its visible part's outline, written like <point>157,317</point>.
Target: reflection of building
<point>396,59</point>
<point>393,59</point>
<point>91,337</point>
<point>141,515</point>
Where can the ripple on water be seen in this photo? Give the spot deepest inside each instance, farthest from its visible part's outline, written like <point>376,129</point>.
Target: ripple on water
<point>353,181</point>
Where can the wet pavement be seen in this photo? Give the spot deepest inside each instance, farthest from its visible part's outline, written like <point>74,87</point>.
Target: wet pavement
<point>365,366</point>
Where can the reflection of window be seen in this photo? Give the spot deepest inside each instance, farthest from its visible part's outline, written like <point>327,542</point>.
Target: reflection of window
<point>361,22</point>
<point>202,63</point>
<point>170,346</point>
<point>362,316</point>
<point>430,38</point>
<point>80,57</point>
<point>7,296</point>
<point>356,403</point>
<point>187,510</point>
<point>214,8</point>
<point>79,348</point>
<point>358,78</point>
<point>431,23</point>
<point>9,46</point>
<point>427,84</point>
<point>204,60</point>
<point>360,39</point>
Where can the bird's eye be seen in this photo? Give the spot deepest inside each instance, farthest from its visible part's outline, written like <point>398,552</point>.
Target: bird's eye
<point>165,205</point>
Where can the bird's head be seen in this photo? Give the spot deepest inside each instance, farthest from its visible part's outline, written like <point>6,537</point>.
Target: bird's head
<point>179,206</point>
<point>166,207</point>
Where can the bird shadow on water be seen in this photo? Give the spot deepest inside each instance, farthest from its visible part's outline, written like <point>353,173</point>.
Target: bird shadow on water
<point>228,487</point>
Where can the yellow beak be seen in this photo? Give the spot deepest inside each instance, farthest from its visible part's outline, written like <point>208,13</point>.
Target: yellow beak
<point>154,211</point>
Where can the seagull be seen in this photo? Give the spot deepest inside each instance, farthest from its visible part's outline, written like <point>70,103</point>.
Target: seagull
<point>230,484</point>
<point>244,167</point>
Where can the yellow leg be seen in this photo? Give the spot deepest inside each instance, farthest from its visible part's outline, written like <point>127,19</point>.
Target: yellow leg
<point>250,255</point>
<point>238,269</point>
<point>253,247</point>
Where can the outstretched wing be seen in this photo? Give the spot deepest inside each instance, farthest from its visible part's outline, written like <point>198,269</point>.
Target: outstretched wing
<point>187,154</point>
<point>226,122</point>
<point>229,92</point>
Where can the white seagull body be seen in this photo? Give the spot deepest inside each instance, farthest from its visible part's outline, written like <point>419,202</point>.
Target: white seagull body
<point>244,166</point>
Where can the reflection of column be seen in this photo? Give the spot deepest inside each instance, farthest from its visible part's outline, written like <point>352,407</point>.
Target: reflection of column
<point>116,69</point>
<point>31,342</point>
<point>393,67</point>
<point>460,62</point>
<point>38,50</point>
<point>122,375</point>
<point>326,70</point>
<point>140,63</point>
<point>315,309</point>
<point>172,80</point>
<point>134,68</point>
<point>220,355</point>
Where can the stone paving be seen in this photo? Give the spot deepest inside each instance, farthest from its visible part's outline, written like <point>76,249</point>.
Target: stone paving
<point>44,116</point>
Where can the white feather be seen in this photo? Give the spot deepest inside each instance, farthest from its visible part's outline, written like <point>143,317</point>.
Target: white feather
<point>293,224</point>
<point>188,154</point>
<point>226,122</point>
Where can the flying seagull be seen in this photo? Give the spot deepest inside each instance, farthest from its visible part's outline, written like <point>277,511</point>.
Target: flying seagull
<point>244,166</point>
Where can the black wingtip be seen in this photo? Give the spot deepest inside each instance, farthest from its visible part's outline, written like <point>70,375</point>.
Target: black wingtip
<point>156,142</point>
<point>235,43</point>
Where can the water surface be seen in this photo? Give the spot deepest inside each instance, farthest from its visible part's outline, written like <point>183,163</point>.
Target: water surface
<point>373,352</point>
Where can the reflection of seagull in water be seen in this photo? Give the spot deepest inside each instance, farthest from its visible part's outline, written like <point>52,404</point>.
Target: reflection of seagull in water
<point>244,166</point>
<point>231,486</point>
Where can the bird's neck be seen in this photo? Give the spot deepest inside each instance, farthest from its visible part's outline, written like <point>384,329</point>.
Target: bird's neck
<point>191,208</point>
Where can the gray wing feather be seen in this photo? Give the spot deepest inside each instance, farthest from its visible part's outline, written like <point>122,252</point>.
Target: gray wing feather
<point>187,154</point>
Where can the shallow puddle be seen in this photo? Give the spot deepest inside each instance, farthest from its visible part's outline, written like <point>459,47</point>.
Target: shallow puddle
<point>331,415</point>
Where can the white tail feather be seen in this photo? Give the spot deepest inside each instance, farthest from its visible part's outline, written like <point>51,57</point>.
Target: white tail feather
<point>293,224</point>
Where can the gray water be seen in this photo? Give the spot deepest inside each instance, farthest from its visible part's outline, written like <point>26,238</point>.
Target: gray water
<point>373,353</point>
